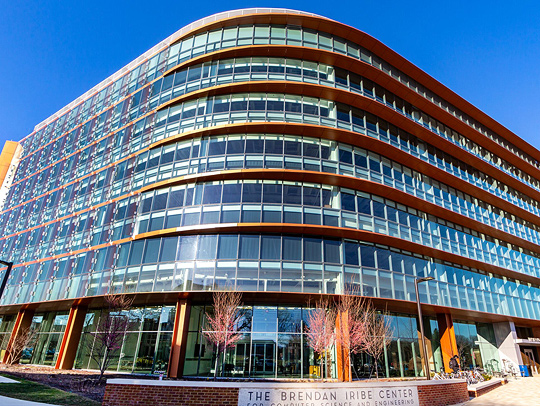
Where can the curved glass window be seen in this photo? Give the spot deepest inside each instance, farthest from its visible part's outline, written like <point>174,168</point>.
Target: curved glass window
<point>271,107</point>
<point>225,38</point>
<point>259,263</point>
<point>305,203</point>
<point>234,70</point>
<point>241,151</point>
<point>79,164</point>
<point>303,153</point>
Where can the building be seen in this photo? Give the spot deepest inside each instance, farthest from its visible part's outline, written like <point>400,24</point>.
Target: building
<point>289,156</point>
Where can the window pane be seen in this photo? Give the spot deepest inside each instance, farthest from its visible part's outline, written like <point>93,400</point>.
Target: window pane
<point>292,249</point>
<point>187,248</point>
<point>331,251</point>
<point>228,246</point>
<point>249,247</point>
<point>312,249</point>
<point>151,251</point>
<point>207,247</point>
<point>270,247</point>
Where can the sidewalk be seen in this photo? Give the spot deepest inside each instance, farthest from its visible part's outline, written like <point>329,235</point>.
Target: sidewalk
<point>520,392</point>
<point>5,401</point>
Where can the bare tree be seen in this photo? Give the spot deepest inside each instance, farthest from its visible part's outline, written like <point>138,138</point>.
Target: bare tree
<point>320,330</point>
<point>111,329</point>
<point>22,340</point>
<point>464,345</point>
<point>352,326</point>
<point>224,323</point>
<point>379,334</point>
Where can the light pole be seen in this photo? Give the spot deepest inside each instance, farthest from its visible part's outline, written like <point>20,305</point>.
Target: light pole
<point>426,360</point>
<point>6,276</point>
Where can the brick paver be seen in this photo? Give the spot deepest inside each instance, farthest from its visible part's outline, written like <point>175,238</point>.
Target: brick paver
<point>520,392</point>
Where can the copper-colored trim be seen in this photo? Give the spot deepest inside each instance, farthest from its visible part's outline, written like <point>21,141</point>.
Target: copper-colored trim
<point>365,103</point>
<point>350,182</point>
<point>339,232</point>
<point>343,356</point>
<point>88,120</point>
<point>110,134</point>
<point>382,51</point>
<point>67,254</point>
<point>134,154</point>
<point>179,339</point>
<point>359,67</point>
<point>376,75</point>
<point>345,181</point>
<point>368,143</point>
<point>447,338</point>
<point>378,48</point>
<point>341,95</point>
<point>71,337</point>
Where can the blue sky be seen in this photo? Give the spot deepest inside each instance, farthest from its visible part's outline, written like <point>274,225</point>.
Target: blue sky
<point>51,52</point>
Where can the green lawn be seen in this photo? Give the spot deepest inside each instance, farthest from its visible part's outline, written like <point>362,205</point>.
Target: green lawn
<point>36,392</point>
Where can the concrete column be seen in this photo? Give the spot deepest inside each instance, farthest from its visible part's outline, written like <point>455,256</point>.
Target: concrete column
<point>72,335</point>
<point>179,340</point>
<point>505,336</point>
<point>448,338</point>
<point>23,321</point>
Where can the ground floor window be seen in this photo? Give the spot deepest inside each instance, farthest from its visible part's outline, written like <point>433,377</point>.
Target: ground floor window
<point>48,331</point>
<point>477,347</point>
<point>145,347</point>
<point>7,322</point>
<point>274,345</point>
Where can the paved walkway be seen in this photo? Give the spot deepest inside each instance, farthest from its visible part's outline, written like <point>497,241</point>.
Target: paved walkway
<point>5,401</point>
<point>3,379</point>
<point>520,392</point>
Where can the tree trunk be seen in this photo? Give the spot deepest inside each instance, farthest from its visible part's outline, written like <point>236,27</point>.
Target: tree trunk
<point>350,366</point>
<point>322,367</point>
<point>217,358</point>
<point>103,364</point>
<point>326,364</point>
<point>223,362</point>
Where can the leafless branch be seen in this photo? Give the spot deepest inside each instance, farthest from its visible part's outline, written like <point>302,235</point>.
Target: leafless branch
<point>225,322</point>
<point>22,340</point>
<point>320,329</point>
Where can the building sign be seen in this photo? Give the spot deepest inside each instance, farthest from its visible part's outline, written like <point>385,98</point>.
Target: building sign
<point>339,396</point>
<point>535,339</point>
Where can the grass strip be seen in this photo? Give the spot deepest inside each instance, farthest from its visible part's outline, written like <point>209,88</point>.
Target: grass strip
<point>36,392</point>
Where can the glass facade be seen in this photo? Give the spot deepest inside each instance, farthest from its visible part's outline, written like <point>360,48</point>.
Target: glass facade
<point>45,342</point>
<point>145,346</point>
<point>189,172</point>
<point>274,345</point>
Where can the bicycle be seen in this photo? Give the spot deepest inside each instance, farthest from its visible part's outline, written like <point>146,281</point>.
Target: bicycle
<point>478,374</point>
<point>508,368</point>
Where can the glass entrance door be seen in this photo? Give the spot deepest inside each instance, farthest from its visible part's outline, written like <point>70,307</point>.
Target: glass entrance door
<point>264,356</point>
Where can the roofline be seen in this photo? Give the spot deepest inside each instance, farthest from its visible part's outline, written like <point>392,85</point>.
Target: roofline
<point>162,45</point>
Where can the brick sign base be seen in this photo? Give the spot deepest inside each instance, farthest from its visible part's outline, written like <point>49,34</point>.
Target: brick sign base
<point>120,392</point>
